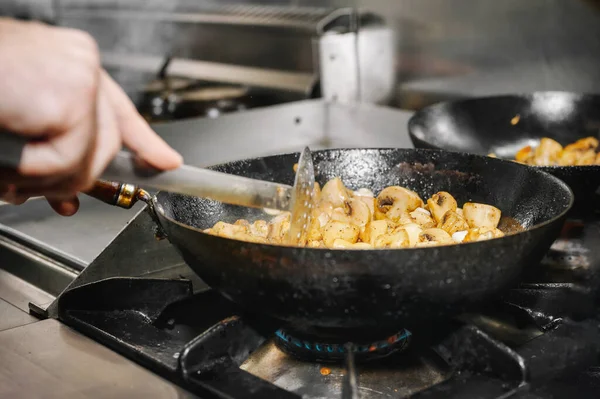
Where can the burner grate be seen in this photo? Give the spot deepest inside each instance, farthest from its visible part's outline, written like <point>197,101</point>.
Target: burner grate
<point>541,338</point>
<point>127,315</point>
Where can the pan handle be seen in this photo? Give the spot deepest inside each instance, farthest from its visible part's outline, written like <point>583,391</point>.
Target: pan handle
<point>122,195</point>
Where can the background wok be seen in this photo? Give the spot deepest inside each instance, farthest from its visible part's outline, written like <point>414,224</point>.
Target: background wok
<point>360,294</point>
<point>504,124</point>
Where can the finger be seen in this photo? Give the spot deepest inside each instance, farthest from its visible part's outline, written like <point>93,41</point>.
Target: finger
<point>108,143</point>
<point>58,155</point>
<point>108,140</point>
<point>15,200</point>
<point>136,133</point>
<point>66,153</point>
<point>11,176</point>
<point>10,195</point>
<point>61,192</point>
<point>67,207</point>
<point>60,187</point>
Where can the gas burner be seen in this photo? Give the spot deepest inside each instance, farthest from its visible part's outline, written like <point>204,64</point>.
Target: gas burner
<point>168,84</point>
<point>159,98</point>
<point>316,350</point>
<point>175,99</point>
<point>210,101</point>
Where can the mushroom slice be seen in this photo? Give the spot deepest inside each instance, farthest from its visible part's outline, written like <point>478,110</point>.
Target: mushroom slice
<point>228,230</point>
<point>398,239</point>
<point>314,231</point>
<point>322,212</point>
<point>422,217</point>
<point>259,228</point>
<point>369,201</point>
<point>413,231</point>
<point>453,222</point>
<point>249,238</point>
<point>279,227</point>
<point>525,155</point>
<point>373,230</point>
<point>343,244</point>
<point>316,193</point>
<point>547,152</point>
<point>354,211</point>
<point>482,233</point>
<point>586,158</point>
<point>335,193</point>
<point>334,230</point>
<point>434,236</point>
<point>395,201</point>
<point>441,203</point>
<point>584,144</point>
<point>481,215</point>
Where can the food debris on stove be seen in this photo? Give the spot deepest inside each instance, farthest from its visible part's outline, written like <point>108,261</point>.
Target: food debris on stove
<point>396,218</point>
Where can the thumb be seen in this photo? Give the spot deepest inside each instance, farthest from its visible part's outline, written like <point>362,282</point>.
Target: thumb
<point>135,131</point>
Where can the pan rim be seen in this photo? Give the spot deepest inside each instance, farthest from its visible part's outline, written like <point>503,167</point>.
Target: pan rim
<point>413,121</point>
<point>160,211</point>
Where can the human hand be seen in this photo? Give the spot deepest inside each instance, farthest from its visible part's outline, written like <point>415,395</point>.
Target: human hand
<point>56,94</point>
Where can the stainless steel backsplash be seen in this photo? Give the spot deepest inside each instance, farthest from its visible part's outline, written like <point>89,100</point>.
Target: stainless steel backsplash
<point>537,44</point>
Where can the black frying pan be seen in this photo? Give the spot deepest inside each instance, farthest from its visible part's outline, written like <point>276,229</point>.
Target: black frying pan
<point>372,292</point>
<point>366,294</point>
<point>504,124</point>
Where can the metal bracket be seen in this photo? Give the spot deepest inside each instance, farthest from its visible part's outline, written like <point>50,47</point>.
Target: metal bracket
<point>358,65</point>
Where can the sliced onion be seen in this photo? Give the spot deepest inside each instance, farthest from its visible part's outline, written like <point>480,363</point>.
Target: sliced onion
<point>459,236</point>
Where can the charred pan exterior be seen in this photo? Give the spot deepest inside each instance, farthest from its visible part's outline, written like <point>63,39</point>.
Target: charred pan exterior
<point>504,124</point>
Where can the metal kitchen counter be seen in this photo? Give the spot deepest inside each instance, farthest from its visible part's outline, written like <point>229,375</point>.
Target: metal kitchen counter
<point>11,316</point>
<point>47,359</point>
<point>284,128</point>
<point>80,237</point>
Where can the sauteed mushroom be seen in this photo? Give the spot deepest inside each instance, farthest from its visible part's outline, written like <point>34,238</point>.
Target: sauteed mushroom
<point>396,218</point>
<point>550,153</point>
<point>441,203</point>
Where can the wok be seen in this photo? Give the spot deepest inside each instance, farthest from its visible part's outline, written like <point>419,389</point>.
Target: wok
<point>504,124</point>
<point>369,293</point>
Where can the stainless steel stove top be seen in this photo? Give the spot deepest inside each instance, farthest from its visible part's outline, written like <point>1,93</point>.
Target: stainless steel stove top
<point>405,376</point>
<point>537,342</point>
